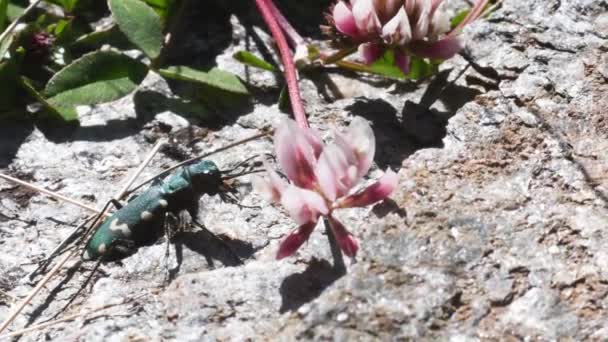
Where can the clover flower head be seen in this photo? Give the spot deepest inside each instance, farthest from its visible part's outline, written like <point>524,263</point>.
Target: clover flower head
<point>408,27</point>
<point>321,179</point>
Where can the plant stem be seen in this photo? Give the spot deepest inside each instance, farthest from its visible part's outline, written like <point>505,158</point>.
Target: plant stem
<point>339,267</point>
<point>291,77</point>
<point>338,56</point>
<point>293,35</point>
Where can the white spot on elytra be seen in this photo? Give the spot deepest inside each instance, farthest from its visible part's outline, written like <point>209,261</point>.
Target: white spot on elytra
<point>102,248</point>
<point>86,255</point>
<point>163,203</point>
<point>146,216</point>
<point>123,228</point>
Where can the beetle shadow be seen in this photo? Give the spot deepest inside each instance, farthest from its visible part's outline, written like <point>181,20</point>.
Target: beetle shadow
<point>229,252</point>
<point>418,126</point>
<point>53,293</point>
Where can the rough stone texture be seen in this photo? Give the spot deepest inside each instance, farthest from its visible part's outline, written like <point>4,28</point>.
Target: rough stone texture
<point>497,231</point>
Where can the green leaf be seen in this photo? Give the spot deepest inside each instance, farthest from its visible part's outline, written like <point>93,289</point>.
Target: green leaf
<point>3,14</point>
<point>419,68</point>
<point>385,66</point>
<point>459,17</point>
<point>63,31</point>
<point>140,24</point>
<point>14,11</point>
<point>160,3</point>
<point>97,77</point>
<point>5,44</point>
<point>250,59</point>
<point>58,111</point>
<point>162,7</point>
<point>93,93</point>
<point>8,76</point>
<point>214,78</point>
<point>94,40</point>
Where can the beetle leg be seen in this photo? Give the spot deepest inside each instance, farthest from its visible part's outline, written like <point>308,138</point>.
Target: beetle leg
<point>117,204</point>
<point>122,247</point>
<point>172,225</point>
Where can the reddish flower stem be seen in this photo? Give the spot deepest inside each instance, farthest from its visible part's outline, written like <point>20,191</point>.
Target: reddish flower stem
<point>293,35</point>
<point>291,77</point>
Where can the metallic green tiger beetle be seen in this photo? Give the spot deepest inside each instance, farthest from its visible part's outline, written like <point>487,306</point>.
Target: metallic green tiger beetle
<point>142,221</point>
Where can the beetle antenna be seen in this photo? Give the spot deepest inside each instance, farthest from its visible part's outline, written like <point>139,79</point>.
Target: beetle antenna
<point>186,162</point>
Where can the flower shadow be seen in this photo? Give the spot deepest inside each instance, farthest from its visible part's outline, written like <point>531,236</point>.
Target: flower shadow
<point>388,131</point>
<point>419,125</point>
<point>300,288</point>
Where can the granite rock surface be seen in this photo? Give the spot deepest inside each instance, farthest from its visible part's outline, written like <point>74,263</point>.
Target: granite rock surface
<point>498,228</point>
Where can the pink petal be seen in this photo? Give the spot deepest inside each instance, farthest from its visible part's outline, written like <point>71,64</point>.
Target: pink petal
<point>410,7</point>
<point>373,193</point>
<point>295,240</point>
<point>370,52</point>
<point>434,5</point>
<point>359,145</point>
<point>402,60</point>
<point>366,18</point>
<point>397,30</point>
<point>442,49</point>
<point>333,172</point>
<point>343,163</point>
<point>272,188</point>
<point>421,26</point>
<point>386,9</point>
<point>295,153</point>
<point>312,137</point>
<point>345,21</point>
<point>347,242</point>
<point>304,206</point>
<point>440,24</point>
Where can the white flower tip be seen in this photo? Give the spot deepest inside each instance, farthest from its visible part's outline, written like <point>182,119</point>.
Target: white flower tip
<point>304,206</point>
<point>366,17</point>
<point>397,30</point>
